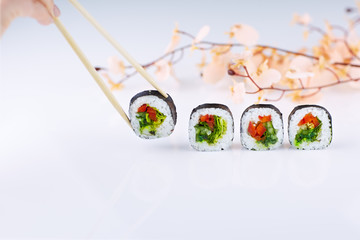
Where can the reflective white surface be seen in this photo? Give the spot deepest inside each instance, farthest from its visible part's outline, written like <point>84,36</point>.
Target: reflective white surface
<point>71,168</point>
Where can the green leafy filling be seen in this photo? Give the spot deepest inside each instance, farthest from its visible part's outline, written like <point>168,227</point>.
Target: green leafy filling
<point>204,132</point>
<point>307,133</point>
<point>147,124</point>
<point>269,136</point>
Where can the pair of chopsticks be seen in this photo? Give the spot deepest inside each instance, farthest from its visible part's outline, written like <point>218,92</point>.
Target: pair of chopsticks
<point>89,66</point>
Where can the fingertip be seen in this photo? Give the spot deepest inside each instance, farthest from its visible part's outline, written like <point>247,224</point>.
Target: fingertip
<point>56,11</point>
<point>41,14</point>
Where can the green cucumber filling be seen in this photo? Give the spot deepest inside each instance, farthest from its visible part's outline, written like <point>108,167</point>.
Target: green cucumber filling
<point>148,125</point>
<point>307,133</point>
<point>269,137</point>
<point>211,132</point>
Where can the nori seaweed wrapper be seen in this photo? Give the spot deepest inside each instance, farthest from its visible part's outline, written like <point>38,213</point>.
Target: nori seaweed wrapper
<point>212,105</point>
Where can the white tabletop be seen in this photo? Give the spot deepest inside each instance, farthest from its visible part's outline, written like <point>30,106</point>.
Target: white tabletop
<point>71,168</point>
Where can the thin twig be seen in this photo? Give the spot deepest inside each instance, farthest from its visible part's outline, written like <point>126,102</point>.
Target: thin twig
<point>177,54</point>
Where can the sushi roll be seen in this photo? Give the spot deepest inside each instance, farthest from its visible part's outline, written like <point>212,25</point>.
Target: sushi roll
<point>310,127</point>
<point>211,127</point>
<point>152,115</point>
<point>261,127</point>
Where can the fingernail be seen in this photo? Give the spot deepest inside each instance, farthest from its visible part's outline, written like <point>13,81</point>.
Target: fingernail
<point>56,11</point>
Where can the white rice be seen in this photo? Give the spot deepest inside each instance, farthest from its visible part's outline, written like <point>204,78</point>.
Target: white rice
<point>325,134</point>
<point>253,115</point>
<point>165,129</point>
<point>224,142</point>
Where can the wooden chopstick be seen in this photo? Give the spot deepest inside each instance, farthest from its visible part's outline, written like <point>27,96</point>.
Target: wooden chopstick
<point>117,46</point>
<point>91,70</point>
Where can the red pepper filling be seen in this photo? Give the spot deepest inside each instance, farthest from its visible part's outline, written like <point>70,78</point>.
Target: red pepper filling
<point>309,118</point>
<point>264,119</point>
<point>209,119</point>
<point>149,110</point>
<point>257,130</point>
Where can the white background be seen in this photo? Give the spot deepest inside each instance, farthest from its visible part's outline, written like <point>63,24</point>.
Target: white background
<point>71,168</point>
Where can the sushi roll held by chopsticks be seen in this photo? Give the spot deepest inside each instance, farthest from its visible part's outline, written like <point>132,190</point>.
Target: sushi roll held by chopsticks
<point>211,127</point>
<point>310,127</point>
<point>152,115</point>
<point>261,127</point>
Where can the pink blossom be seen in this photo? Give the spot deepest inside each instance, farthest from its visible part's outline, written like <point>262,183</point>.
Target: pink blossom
<point>163,70</point>
<point>175,40</point>
<point>237,91</point>
<point>300,68</point>
<point>113,85</point>
<point>214,71</point>
<point>218,67</point>
<point>354,72</point>
<point>204,31</point>
<point>304,19</point>
<point>116,66</point>
<point>267,78</point>
<point>321,77</point>
<point>245,34</point>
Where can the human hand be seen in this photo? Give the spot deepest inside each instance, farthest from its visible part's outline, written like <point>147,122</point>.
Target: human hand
<point>41,10</point>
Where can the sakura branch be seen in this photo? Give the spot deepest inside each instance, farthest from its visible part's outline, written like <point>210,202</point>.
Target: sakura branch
<point>261,69</point>
<point>284,90</point>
